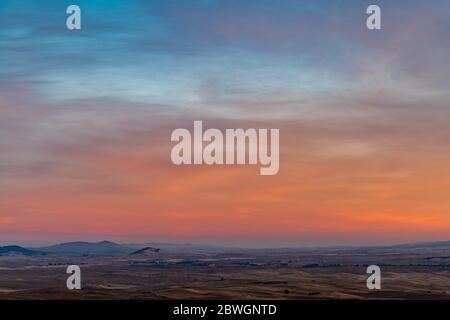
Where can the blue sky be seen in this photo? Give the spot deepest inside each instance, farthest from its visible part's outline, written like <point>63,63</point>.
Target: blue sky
<point>201,52</point>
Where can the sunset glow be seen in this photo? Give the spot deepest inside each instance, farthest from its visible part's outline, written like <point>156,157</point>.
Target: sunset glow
<point>86,120</point>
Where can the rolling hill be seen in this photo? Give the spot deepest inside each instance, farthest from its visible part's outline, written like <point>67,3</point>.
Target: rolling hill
<point>16,250</point>
<point>80,247</point>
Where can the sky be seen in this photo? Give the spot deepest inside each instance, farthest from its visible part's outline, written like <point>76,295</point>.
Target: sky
<point>86,118</point>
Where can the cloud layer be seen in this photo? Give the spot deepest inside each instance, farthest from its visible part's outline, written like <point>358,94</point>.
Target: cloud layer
<point>86,118</point>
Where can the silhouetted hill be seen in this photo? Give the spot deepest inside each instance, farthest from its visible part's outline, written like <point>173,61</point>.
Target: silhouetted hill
<point>111,248</point>
<point>146,251</point>
<point>80,247</point>
<point>198,248</point>
<point>8,250</point>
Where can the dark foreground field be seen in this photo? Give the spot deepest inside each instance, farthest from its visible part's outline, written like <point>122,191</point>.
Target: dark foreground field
<point>407,273</point>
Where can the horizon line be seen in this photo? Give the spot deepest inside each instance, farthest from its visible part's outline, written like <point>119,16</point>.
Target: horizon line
<point>229,247</point>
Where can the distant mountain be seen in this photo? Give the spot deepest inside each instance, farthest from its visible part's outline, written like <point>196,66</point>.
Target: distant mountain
<point>146,251</point>
<point>419,245</point>
<point>13,250</point>
<point>198,248</point>
<point>183,247</point>
<point>111,248</point>
<point>80,247</point>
